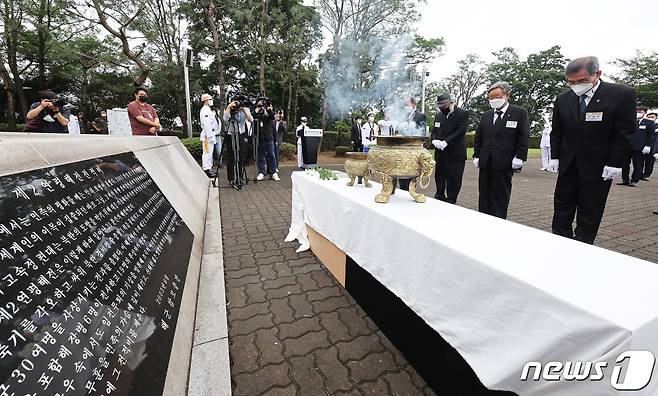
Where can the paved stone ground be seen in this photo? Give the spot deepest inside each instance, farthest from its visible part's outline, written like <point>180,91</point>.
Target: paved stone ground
<point>293,330</point>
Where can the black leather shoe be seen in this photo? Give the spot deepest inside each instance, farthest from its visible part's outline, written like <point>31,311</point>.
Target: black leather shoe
<point>644,179</point>
<point>655,212</point>
<point>623,183</point>
<point>210,174</point>
<point>632,184</point>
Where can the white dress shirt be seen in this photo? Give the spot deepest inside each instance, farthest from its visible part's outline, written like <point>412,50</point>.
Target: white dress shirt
<point>504,110</point>
<point>590,94</point>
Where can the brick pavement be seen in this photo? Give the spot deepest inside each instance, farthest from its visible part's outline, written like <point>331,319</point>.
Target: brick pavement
<point>293,330</point>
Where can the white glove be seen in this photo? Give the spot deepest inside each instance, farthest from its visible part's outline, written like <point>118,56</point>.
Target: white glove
<point>440,144</point>
<point>655,156</point>
<point>610,173</point>
<point>517,163</point>
<point>553,165</point>
<point>646,150</point>
<point>476,163</point>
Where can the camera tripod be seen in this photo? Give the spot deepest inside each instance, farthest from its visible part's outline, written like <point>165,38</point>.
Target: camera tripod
<point>237,164</point>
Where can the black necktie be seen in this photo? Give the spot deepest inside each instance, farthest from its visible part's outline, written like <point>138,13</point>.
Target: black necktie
<point>499,113</point>
<point>583,104</point>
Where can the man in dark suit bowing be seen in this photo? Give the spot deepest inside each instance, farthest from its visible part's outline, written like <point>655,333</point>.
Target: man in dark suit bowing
<point>500,148</point>
<point>449,140</point>
<point>593,124</point>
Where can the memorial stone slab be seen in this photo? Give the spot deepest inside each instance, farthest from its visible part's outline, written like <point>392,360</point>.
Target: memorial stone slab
<point>93,262</point>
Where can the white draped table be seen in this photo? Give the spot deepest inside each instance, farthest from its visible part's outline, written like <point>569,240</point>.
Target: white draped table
<point>502,294</point>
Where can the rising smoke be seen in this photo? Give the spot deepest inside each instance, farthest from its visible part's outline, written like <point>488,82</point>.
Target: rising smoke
<point>372,75</point>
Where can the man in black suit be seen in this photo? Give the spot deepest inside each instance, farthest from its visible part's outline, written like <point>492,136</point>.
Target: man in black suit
<point>356,138</point>
<point>417,127</point>
<point>500,148</point>
<point>641,145</point>
<point>449,140</point>
<point>649,160</point>
<point>593,124</point>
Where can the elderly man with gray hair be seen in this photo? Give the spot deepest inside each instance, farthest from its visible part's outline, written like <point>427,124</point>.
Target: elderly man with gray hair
<point>593,124</point>
<point>500,149</point>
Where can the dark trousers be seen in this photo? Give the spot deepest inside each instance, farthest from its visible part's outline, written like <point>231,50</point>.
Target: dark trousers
<point>230,163</point>
<point>579,199</point>
<point>448,178</point>
<point>638,165</point>
<point>266,152</point>
<point>648,161</point>
<point>357,148</point>
<point>495,187</point>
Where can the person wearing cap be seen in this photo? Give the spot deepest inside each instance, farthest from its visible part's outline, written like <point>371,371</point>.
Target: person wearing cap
<point>209,129</point>
<point>48,115</point>
<point>357,136</point>
<point>449,140</point>
<point>369,131</point>
<point>300,134</point>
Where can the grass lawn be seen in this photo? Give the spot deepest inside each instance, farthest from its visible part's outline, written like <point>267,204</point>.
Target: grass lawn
<point>532,153</point>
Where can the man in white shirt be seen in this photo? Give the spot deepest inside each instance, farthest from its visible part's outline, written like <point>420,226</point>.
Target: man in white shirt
<point>369,131</point>
<point>209,129</point>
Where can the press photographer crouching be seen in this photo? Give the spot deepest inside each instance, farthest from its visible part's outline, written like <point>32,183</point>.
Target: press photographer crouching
<point>264,127</point>
<point>48,115</point>
<point>236,114</point>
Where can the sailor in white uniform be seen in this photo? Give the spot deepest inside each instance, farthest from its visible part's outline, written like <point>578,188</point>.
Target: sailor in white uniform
<point>209,130</point>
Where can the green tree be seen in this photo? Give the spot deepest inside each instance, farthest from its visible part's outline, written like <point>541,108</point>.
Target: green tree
<point>535,81</point>
<point>641,72</point>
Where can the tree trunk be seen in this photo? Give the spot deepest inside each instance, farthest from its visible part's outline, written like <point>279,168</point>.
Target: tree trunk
<point>290,101</point>
<point>262,48</point>
<point>216,43</point>
<point>296,98</point>
<point>41,47</point>
<point>9,93</point>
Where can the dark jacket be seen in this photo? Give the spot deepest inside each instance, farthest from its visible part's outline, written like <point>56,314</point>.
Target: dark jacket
<point>420,120</point>
<point>497,147</point>
<point>265,124</point>
<point>451,128</point>
<point>280,131</point>
<point>644,135</point>
<point>356,134</point>
<point>594,144</point>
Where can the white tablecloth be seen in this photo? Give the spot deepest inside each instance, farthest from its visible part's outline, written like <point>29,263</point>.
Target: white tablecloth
<point>501,293</point>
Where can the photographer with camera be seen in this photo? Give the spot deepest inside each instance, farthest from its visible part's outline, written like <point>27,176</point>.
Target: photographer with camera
<point>48,115</point>
<point>264,121</point>
<point>236,115</point>
<point>280,131</point>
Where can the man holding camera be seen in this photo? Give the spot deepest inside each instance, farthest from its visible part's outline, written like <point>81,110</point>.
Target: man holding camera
<point>280,130</point>
<point>143,117</point>
<point>48,115</point>
<point>266,136</point>
<point>236,115</point>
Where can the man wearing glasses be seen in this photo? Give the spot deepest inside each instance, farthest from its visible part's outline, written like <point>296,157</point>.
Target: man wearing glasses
<point>593,124</point>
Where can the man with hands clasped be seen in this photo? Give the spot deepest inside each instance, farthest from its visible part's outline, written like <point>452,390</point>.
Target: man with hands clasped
<point>593,124</point>
<point>449,141</point>
<point>500,149</point>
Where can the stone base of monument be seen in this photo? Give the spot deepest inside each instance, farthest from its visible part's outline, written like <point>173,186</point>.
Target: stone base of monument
<point>110,268</point>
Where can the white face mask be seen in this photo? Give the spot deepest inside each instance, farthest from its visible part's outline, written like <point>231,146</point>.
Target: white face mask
<point>580,89</point>
<point>210,102</point>
<point>640,116</point>
<point>497,103</point>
